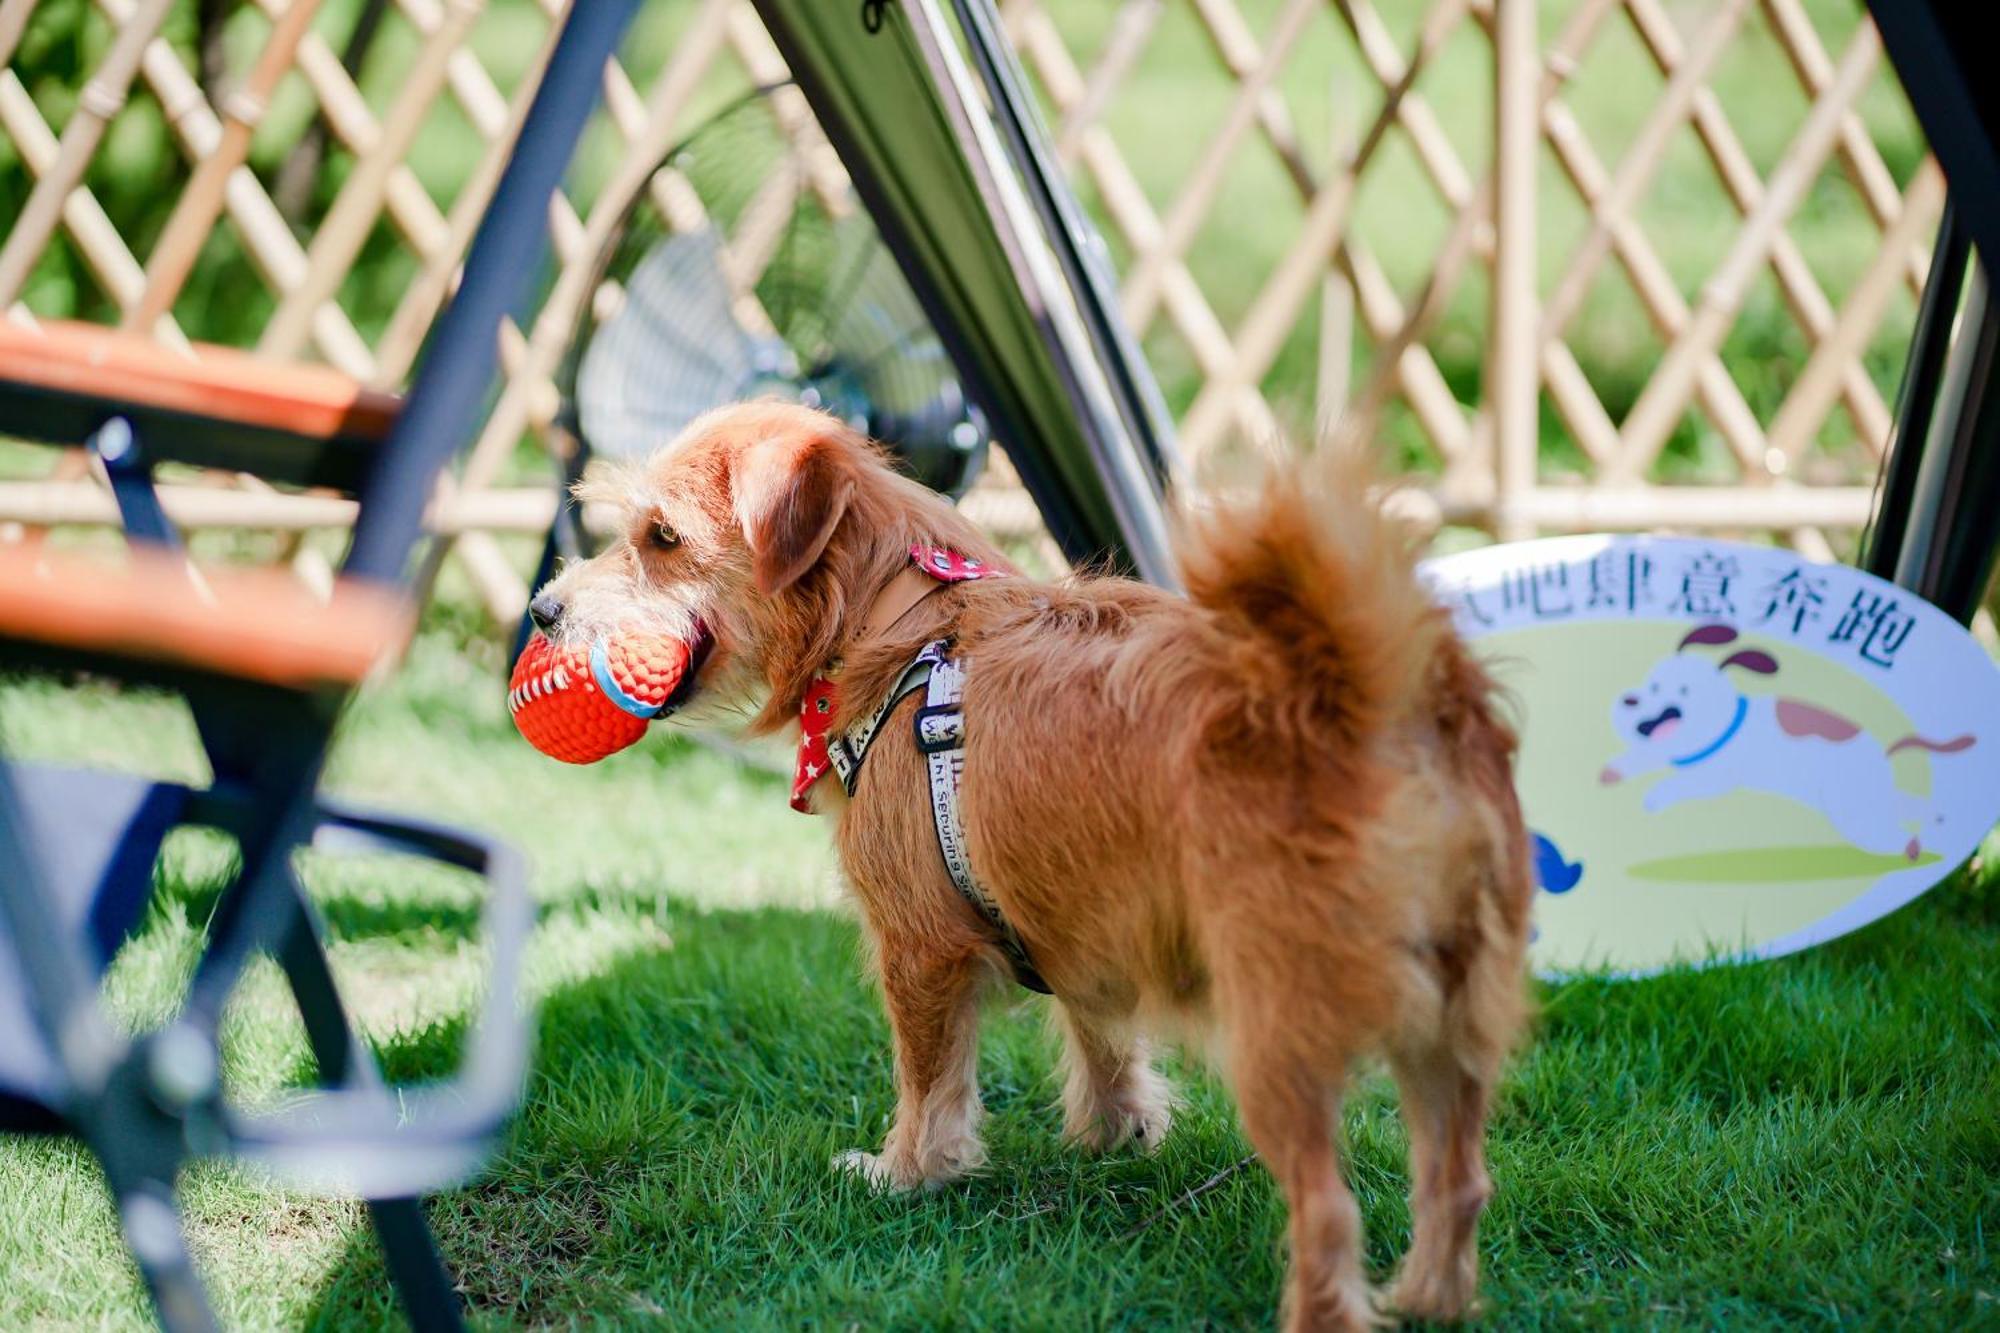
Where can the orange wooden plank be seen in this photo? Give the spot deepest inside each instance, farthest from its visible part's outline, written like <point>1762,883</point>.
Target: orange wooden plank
<point>249,624</point>
<point>103,364</point>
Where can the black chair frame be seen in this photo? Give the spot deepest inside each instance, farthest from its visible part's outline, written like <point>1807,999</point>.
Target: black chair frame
<point>77,849</point>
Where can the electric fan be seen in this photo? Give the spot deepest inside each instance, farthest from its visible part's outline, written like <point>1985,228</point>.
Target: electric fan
<point>675,349</point>
<point>829,321</point>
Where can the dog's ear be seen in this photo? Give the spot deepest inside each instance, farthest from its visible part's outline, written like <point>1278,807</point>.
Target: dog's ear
<point>791,493</point>
<point>1708,634</point>
<point>1751,660</point>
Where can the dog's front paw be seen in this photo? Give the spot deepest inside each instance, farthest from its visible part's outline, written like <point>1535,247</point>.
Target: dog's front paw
<point>1141,1113</point>
<point>1113,1128</point>
<point>872,1168</point>
<point>884,1175</point>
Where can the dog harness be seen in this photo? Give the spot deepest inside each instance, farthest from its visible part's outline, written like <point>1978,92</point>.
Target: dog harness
<point>940,736</point>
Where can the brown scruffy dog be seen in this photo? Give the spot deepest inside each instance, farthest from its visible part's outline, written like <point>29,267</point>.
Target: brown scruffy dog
<point>1273,819</point>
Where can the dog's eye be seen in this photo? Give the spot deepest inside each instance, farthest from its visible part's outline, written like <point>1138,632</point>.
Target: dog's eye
<point>663,536</point>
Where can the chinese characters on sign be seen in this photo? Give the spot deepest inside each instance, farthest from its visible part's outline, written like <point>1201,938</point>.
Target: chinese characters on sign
<point>1790,597</point>
<point>1621,579</point>
<point>1705,587</point>
<point>1794,598</point>
<point>1887,627</point>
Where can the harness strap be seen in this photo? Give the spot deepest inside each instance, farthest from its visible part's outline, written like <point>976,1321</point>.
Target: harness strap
<point>846,751</point>
<point>912,584</point>
<point>940,727</point>
<point>930,568</point>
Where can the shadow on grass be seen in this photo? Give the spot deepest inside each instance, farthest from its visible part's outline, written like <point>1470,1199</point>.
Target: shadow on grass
<point>350,917</point>
<point>671,1165</point>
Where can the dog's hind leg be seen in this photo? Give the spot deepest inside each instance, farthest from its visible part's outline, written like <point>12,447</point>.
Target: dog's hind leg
<point>1290,1102</point>
<point>1111,1092</point>
<point>1444,1105</point>
<point>1446,1073</point>
<point>933,1003</point>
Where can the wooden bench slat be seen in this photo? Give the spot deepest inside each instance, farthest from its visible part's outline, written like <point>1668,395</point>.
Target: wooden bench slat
<point>101,364</point>
<point>248,623</point>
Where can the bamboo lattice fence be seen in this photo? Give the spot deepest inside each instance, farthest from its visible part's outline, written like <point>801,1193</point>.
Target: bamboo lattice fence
<point>1444,212</point>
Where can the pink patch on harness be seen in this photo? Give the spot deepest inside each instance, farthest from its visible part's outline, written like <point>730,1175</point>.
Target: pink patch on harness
<point>1803,719</point>
<point>951,567</point>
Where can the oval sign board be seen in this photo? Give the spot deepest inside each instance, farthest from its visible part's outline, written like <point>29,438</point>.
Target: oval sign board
<point>1727,752</point>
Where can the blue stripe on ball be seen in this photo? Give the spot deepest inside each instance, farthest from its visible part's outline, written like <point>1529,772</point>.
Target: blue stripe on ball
<point>600,671</point>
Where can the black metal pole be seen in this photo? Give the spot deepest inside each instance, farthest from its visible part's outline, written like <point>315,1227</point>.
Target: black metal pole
<point>1964,536</point>
<point>1074,241</point>
<point>1923,373</point>
<point>455,376</point>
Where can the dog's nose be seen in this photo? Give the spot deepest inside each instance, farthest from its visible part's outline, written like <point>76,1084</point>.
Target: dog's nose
<point>546,611</point>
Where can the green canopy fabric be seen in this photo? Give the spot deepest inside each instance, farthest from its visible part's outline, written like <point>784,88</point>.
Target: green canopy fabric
<point>1074,409</point>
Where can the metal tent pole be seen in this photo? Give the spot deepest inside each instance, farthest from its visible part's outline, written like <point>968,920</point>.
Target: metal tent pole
<point>1923,376</point>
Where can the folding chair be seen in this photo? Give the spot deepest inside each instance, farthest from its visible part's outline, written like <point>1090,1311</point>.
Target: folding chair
<point>265,667</point>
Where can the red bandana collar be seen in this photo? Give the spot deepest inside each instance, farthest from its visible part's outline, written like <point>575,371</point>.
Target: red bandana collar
<point>816,710</point>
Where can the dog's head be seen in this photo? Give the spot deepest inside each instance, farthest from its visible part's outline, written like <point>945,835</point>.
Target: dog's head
<point>1687,702</point>
<point>754,536</point>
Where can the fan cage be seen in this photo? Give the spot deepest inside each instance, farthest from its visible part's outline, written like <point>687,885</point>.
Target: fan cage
<point>833,322</point>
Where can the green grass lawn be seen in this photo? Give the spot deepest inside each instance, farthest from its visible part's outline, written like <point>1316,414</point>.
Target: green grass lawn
<point>1807,1141</point>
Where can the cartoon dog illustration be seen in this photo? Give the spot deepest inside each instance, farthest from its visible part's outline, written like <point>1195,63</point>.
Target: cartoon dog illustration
<point>1690,717</point>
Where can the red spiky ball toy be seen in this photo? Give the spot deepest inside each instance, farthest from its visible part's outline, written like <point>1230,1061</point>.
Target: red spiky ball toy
<point>583,703</point>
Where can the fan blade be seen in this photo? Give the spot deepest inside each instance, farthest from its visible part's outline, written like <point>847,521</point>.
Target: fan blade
<point>884,355</point>
<point>671,353</point>
<point>880,336</point>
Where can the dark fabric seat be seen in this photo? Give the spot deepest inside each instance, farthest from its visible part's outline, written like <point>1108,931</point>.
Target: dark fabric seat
<point>95,836</point>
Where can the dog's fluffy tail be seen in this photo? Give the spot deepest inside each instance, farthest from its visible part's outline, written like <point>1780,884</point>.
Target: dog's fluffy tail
<point>1309,563</point>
